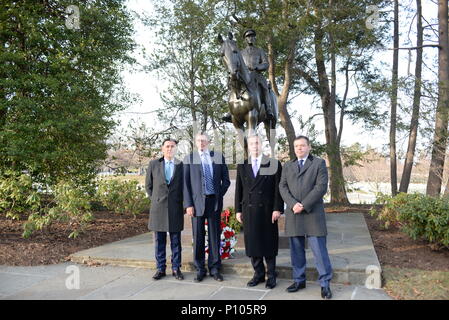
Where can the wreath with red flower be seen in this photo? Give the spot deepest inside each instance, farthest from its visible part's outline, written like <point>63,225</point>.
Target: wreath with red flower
<point>228,239</point>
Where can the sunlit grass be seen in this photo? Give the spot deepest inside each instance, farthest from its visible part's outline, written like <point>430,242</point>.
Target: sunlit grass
<point>415,284</point>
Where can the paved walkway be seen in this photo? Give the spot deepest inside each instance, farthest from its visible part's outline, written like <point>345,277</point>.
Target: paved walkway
<point>124,269</point>
<point>112,282</point>
<point>349,243</point>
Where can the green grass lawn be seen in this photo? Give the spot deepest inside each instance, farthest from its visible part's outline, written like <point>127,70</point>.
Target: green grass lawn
<point>414,284</point>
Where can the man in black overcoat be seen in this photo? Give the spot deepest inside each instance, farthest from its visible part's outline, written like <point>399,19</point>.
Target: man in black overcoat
<point>258,206</point>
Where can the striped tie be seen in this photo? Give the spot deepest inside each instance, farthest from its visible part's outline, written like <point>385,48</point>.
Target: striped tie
<point>208,182</point>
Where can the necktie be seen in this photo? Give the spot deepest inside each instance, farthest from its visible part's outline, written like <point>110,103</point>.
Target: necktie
<point>168,171</point>
<point>301,165</point>
<point>255,167</point>
<point>208,182</point>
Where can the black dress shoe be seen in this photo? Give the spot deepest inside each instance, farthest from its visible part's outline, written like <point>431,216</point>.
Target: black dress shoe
<point>218,277</point>
<point>326,293</point>
<point>178,275</point>
<point>296,286</point>
<point>255,281</point>
<point>271,283</point>
<point>199,277</point>
<point>159,275</point>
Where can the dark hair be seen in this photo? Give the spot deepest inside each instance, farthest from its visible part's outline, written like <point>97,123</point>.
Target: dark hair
<point>302,137</point>
<point>169,139</point>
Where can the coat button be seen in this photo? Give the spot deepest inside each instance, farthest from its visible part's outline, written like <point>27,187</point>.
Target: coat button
<point>260,205</point>
<point>260,192</point>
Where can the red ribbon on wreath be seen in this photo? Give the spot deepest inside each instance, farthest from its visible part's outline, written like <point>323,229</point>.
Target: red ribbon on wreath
<point>226,214</point>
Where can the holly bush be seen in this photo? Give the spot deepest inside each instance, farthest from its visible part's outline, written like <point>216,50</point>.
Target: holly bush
<point>122,197</point>
<point>418,215</point>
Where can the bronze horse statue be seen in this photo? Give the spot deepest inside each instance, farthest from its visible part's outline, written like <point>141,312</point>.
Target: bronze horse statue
<point>244,100</point>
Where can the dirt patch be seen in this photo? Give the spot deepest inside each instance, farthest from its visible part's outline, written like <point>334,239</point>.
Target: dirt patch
<point>53,245</point>
<point>363,208</point>
<point>396,249</point>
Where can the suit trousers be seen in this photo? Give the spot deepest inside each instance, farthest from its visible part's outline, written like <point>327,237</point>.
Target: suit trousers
<point>322,261</point>
<point>160,244</point>
<point>214,233</point>
<point>259,267</point>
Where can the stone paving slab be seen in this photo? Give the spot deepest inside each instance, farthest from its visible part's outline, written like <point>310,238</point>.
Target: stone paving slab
<point>54,288</point>
<point>349,244</point>
<point>111,282</point>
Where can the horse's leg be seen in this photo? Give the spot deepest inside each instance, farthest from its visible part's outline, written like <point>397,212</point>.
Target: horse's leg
<point>252,121</point>
<point>239,126</point>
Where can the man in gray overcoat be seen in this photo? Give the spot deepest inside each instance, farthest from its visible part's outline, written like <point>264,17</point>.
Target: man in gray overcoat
<point>164,186</point>
<point>258,205</point>
<point>303,185</point>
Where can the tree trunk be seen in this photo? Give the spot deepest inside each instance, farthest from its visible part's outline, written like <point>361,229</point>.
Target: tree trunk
<point>282,97</point>
<point>394,101</point>
<point>337,183</point>
<point>434,181</point>
<point>446,190</point>
<point>408,165</point>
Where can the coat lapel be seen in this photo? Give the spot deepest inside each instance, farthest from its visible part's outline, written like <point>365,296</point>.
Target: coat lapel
<point>249,171</point>
<point>214,166</point>
<point>162,170</point>
<point>264,163</point>
<point>175,166</point>
<point>306,165</point>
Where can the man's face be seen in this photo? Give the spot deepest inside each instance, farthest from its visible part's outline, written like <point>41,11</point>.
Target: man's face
<point>201,142</point>
<point>169,149</point>
<point>254,146</point>
<point>302,148</point>
<point>250,39</point>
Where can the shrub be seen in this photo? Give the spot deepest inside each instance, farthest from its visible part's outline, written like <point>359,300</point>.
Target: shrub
<point>122,197</point>
<point>389,213</point>
<point>71,206</point>
<point>419,216</point>
<point>18,197</point>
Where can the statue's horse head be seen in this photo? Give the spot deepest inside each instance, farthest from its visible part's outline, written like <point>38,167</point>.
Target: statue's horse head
<point>231,56</point>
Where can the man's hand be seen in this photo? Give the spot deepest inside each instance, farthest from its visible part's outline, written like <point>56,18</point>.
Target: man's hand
<point>191,211</point>
<point>239,217</point>
<point>275,216</point>
<point>297,208</point>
